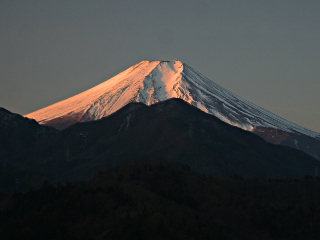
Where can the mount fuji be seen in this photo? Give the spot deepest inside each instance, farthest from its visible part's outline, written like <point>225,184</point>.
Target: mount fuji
<point>150,82</point>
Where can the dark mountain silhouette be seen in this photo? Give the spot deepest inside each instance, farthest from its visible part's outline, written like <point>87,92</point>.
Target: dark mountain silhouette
<point>170,130</point>
<point>165,201</point>
<point>292,139</point>
<point>150,82</point>
<point>19,133</point>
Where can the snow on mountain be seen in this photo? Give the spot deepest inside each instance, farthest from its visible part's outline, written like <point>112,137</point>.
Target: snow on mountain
<point>153,81</point>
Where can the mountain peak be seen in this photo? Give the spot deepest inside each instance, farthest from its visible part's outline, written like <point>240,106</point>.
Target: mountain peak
<point>151,81</point>
<point>159,61</point>
<point>147,82</point>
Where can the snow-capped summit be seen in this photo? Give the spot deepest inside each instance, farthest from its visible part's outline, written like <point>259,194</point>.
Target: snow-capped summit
<point>149,82</point>
<point>153,81</point>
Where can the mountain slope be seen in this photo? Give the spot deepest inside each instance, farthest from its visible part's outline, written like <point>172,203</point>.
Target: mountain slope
<point>170,130</point>
<point>149,82</point>
<point>19,133</point>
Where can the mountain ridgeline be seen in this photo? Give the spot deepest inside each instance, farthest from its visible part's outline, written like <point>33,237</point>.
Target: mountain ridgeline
<point>169,130</point>
<point>150,82</point>
<point>19,133</point>
<point>157,152</point>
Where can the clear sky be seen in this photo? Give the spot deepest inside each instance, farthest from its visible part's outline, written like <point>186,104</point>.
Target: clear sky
<point>266,51</point>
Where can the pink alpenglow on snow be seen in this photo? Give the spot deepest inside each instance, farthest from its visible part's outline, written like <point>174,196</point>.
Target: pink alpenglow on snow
<point>149,82</point>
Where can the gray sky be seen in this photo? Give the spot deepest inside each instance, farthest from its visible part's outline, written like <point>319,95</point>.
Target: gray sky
<point>267,52</point>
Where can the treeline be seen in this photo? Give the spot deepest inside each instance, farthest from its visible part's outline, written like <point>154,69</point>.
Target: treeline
<point>165,201</point>
<point>14,180</point>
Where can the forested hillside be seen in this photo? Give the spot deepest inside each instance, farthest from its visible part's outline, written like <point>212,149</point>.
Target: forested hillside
<point>165,201</point>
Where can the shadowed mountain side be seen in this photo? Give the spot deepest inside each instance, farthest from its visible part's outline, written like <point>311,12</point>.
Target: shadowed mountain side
<point>172,130</point>
<point>150,82</point>
<point>293,139</point>
<point>18,133</point>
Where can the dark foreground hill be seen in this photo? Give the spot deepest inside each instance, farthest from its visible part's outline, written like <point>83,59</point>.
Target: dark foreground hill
<point>153,81</point>
<point>165,201</point>
<point>171,130</point>
<point>18,133</point>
